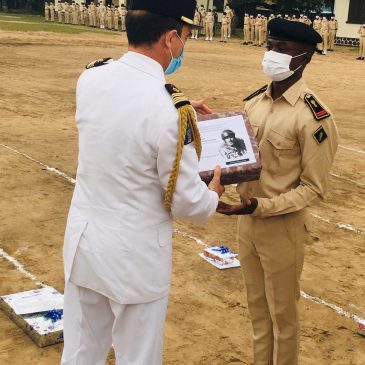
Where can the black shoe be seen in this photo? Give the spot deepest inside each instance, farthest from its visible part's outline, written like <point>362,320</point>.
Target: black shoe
<point>359,58</point>
<point>362,58</point>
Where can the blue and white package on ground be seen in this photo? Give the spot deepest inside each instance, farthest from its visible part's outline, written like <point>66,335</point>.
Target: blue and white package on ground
<point>39,313</point>
<point>221,257</point>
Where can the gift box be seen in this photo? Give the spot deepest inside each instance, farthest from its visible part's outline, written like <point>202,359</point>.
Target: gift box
<point>220,257</point>
<point>38,313</point>
<point>228,140</point>
<point>361,327</point>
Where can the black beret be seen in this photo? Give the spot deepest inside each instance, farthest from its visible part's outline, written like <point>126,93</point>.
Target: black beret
<point>293,31</point>
<point>182,10</point>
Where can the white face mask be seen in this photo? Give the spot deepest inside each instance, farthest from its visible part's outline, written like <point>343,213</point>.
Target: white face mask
<point>276,65</point>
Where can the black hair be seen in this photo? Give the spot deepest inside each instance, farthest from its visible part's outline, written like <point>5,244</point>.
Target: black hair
<point>145,28</point>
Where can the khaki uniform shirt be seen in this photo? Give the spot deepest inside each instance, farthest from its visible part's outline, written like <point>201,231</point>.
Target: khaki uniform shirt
<point>209,18</point>
<point>324,26</point>
<point>295,167</point>
<point>196,18</point>
<point>317,25</point>
<point>246,21</point>
<point>333,25</point>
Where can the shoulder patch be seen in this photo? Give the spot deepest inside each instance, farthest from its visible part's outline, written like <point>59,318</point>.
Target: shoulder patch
<point>320,135</point>
<point>316,108</point>
<point>257,92</point>
<point>189,136</point>
<point>99,62</point>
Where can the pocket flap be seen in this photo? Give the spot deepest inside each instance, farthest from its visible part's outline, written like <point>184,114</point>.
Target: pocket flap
<point>280,142</point>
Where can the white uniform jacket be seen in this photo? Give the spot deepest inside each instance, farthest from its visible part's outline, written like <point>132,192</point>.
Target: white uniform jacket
<point>118,238</point>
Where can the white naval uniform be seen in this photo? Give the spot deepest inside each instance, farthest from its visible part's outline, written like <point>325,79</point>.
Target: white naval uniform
<point>118,240</point>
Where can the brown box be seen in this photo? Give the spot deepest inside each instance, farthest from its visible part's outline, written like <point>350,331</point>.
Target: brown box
<point>232,174</point>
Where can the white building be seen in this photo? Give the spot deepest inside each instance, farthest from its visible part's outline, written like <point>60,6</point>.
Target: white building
<point>350,14</point>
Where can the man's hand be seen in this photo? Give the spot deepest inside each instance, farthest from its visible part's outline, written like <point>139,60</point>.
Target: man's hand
<point>200,107</point>
<point>215,184</point>
<point>246,207</point>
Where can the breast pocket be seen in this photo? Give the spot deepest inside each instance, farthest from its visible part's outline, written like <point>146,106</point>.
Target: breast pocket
<point>282,152</point>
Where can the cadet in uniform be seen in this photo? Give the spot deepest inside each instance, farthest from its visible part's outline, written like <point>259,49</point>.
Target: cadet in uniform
<point>224,28</point>
<point>203,13</point>
<point>46,11</point>
<point>317,28</point>
<point>209,24</point>
<point>298,139</point>
<point>116,18</point>
<point>252,27</point>
<point>324,34</point>
<point>259,23</point>
<point>246,29</point>
<point>229,13</point>
<point>333,27</point>
<point>195,30</point>
<point>362,43</point>
<point>51,11</point>
<point>137,168</point>
<point>123,13</point>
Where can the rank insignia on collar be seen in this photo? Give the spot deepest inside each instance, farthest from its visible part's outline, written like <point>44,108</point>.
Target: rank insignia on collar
<point>316,108</point>
<point>96,63</point>
<point>320,135</point>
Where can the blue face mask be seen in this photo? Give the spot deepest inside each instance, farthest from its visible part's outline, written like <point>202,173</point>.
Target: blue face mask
<point>175,63</point>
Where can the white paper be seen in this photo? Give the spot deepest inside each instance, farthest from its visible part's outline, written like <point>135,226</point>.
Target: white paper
<point>229,152</point>
<point>34,301</point>
<point>235,262</point>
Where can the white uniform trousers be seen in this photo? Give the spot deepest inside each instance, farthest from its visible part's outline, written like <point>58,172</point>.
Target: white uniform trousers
<point>93,322</point>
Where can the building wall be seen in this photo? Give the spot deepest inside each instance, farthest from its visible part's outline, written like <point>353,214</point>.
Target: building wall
<point>345,30</point>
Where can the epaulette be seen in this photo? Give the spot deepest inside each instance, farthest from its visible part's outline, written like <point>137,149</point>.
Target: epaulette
<point>316,108</point>
<point>99,62</point>
<point>257,92</point>
<point>179,100</point>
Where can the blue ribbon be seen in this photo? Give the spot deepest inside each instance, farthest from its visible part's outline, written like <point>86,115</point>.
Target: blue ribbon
<point>54,315</point>
<point>221,249</point>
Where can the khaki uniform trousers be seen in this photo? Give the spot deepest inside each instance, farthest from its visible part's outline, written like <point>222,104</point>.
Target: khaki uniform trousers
<point>362,47</point>
<point>259,36</point>
<point>209,30</point>
<point>253,32</point>
<point>224,32</point>
<point>271,251</point>
<point>246,34</point>
<point>123,23</point>
<point>92,322</point>
<point>324,35</point>
<point>331,36</point>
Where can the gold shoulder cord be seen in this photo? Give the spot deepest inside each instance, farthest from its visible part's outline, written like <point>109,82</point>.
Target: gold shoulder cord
<point>186,119</point>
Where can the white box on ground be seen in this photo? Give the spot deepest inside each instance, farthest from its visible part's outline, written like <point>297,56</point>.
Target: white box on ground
<point>220,257</point>
<point>38,313</point>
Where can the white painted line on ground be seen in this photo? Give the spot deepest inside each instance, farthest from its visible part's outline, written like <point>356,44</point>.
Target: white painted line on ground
<point>352,149</point>
<point>309,297</point>
<point>335,307</point>
<point>345,178</point>
<point>20,267</point>
<point>49,168</point>
<point>344,226</point>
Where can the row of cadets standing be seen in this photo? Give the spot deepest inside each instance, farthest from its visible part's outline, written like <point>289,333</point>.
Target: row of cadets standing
<point>98,15</point>
<point>255,29</point>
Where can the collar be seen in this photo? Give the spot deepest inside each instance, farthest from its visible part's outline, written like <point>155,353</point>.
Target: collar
<point>292,94</point>
<point>144,64</point>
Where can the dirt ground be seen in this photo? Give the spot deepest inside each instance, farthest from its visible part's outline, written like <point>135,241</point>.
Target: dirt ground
<point>208,321</point>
